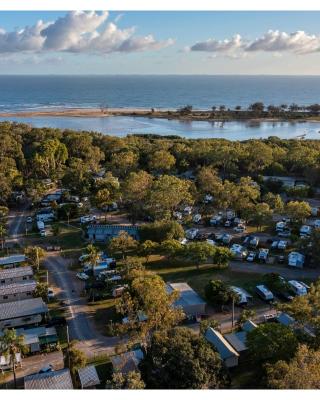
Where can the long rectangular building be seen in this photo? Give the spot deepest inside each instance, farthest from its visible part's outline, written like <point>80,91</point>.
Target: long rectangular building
<point>22,312</point>
<point>12,261</point>
<point>18,274</point>
<point>17,291</point>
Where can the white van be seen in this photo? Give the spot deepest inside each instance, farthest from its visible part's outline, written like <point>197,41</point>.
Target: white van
<point>263,292</point>
<point>297,288</point>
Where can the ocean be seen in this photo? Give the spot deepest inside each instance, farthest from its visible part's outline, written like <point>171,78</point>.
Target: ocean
<point>27,93</point>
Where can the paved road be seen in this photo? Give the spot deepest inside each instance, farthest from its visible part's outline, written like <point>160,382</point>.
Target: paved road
<point>16,225</point>
<point>33,364</point>
<point>81,326</point>
<point>286,272</point>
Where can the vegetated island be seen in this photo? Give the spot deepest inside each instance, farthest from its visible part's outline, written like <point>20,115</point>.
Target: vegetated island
<point>256,111</point>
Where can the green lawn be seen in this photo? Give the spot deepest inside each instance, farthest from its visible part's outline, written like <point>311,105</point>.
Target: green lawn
<point>180,271</point>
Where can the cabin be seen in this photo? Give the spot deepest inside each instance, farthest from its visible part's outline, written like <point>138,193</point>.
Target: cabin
<point>127,362</point>
<point>104,233</point>
<point>15,260</point>
<point>23,312</point>
<point>228,354</point>
<point>190,302</point>
<point>60,379</point>
<point>88,377</point>
<point>13,275</point>
<point>38,338</point>
<point>17,291</point>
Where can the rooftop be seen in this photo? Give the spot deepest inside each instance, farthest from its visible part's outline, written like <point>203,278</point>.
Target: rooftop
<point>237,340</point>
<point>88,376</point>
<point>223,347</point>
<point>60,379</point>
<point>17,287</point>
<point>15,272</point>
<point>21,308</point>
<point>128,361</point>
<point>187,295</point>
<point>13,259</point>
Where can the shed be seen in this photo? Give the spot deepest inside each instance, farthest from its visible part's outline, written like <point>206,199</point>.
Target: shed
<point>227,353</point>
<point>88,377</point>
<point>285,319</point>
<point>191,303</point>
<point>60,379</point>
<point>127,362</point>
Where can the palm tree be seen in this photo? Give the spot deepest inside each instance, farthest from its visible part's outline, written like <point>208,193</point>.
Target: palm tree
<point>3,233</point>
<point>10,346</point>
<point>92,256</point>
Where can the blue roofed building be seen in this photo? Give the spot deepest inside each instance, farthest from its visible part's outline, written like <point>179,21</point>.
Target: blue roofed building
<point>103,232</point>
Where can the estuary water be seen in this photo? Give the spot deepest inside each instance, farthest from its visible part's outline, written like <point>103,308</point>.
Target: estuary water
<point>27,93</point>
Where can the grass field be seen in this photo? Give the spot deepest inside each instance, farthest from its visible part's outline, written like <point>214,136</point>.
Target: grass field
<point>181,271</point>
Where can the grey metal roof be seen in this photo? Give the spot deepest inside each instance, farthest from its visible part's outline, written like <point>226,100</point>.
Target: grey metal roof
<point>128,361</point>
<point>187,295</point>
<point>220,343</point>
<point>237,340</point>
<point>60,379</point>
<point>88,376</point>
<point>17,287</point>
<point>285,319</point>
<point>22,308</point>
<point>13,259</point>
<point>249,326</point>
<point>15,272</point>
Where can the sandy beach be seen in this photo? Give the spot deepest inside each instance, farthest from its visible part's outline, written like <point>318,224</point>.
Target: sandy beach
<point>196,115</point>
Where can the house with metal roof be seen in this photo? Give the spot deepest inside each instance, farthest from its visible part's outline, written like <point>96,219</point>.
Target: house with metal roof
<point>38,338</point>
<point>227,353</point>
<point>238,339</point>
<point>127,362</point>
<point>189,300</point>
<point>103,233</point>
<point>60,379</point>
<point>17,291</point>
<point>23,312</point>
<point>12,261</point>
<point>88,377</point>
<point>18,274</point>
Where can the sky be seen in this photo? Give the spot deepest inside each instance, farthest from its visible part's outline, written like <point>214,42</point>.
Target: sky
<point>126,42</point>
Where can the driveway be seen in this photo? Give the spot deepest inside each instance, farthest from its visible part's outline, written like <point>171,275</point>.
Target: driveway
<point>286,272</point>
<point>79,318</point>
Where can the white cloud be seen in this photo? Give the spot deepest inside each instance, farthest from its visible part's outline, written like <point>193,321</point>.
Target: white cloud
<point>273,41</point>
<point>220,46</point>
<point>78,32</point>
<point>297,42</point>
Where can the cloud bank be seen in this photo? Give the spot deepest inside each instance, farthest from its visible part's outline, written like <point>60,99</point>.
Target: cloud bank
<point>298,42</point>
<point>78,32</point>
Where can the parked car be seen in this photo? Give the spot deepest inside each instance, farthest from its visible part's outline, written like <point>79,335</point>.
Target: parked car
<point>228,223</point>
<point>43,233</point>
<point>239,229</point>
<point>50,294</point>
<point>285,233</point>
<point>29,220</point>
<point>251,256</point>
<point>87,218</point>
<point>82,276</point>
<point>191,233</point>
<point>196,218</point>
